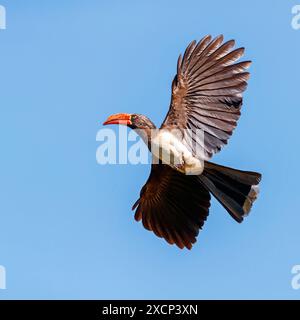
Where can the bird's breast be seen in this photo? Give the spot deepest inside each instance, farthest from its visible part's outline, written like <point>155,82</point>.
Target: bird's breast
<point>171,150</point>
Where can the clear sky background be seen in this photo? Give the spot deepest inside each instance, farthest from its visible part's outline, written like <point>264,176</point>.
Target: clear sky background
<point>66,225</point>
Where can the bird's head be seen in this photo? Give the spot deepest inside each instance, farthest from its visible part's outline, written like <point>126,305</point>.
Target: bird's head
<point>133,121</point>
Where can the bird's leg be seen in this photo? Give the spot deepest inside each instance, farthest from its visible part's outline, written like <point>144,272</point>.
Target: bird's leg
<point>180,167</point>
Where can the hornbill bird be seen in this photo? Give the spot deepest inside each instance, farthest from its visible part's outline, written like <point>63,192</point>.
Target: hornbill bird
<point>206,97</point>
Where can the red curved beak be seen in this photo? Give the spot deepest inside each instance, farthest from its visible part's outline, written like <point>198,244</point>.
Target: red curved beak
<point>119,118</point>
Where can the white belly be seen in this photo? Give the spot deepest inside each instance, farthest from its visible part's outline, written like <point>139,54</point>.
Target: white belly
<point>172,151</point>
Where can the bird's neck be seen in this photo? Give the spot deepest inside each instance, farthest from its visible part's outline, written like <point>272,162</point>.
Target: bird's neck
<point>146,134</point>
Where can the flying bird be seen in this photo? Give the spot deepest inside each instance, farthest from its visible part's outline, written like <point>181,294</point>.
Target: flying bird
<point>206,97</point>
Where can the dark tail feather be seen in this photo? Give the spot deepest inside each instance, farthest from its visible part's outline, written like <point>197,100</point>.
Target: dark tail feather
<point>236,190</point>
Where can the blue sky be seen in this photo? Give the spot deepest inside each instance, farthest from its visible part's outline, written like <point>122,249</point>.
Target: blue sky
<point>67,230</point>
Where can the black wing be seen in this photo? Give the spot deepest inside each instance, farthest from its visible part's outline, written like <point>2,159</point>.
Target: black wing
<point>173,205</point>
<point>207,92</point>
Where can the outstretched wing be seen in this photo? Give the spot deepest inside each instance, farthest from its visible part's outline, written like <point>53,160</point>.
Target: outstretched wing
<point>173,205</point>
<point>207,92</point>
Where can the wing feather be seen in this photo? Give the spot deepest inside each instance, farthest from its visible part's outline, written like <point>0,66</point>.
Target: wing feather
<point>207,91</point>
<point>173,205</point>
